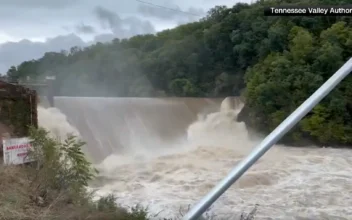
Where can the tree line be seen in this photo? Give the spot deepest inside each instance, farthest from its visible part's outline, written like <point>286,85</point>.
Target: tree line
<point>274,62</point>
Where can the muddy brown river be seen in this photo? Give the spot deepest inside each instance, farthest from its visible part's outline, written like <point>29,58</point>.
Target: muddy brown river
<point>168,153</point>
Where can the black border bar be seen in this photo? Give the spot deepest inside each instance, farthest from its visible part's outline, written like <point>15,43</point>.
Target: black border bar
<point>342,10</point>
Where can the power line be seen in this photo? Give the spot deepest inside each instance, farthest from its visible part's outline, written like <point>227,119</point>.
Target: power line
<point>163,7</point>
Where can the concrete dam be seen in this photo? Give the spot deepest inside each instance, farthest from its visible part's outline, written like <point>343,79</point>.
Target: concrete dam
<point>167,153</point>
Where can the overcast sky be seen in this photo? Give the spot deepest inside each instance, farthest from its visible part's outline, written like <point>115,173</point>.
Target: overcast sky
<point>29,28</point>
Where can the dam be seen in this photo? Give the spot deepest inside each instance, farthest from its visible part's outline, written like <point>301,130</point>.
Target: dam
<point>167,153</point>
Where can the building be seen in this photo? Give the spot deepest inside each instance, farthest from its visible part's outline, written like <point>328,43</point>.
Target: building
<point>18,110</point>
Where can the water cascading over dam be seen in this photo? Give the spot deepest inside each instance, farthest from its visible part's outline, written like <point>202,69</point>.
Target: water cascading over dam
<point>167,153</point>
<point>133,125</point>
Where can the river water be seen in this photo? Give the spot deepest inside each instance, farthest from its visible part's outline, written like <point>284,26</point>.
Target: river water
<point>168,153</point>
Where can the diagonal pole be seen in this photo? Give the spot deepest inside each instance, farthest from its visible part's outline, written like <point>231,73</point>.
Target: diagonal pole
<point>196,212</point>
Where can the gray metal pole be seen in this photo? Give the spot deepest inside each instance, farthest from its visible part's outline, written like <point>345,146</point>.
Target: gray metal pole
<point>197,211</point>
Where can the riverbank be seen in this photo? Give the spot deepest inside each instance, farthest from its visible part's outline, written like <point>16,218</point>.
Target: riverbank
<point>294,138</point>
<point>55,187</point>
<point>21,200</point>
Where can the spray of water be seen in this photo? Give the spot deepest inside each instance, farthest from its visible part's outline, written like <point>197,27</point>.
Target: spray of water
<point>287,183</point>
<point>53,120</point>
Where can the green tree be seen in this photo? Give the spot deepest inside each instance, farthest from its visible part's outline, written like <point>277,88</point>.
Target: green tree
<point>183,87</point>
<point>12,74</point>
<point>277,61</point>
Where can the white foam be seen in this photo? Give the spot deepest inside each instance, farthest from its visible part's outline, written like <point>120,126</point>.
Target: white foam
<point>287,183</point>
<point>53,120</point>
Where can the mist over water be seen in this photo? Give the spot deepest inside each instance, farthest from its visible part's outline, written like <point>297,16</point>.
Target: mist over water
<point>167,153</point>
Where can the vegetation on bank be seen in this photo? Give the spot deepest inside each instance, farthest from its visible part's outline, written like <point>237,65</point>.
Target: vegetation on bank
<point>275,62</point>
<point>17,109</point>
<point>55,186</point>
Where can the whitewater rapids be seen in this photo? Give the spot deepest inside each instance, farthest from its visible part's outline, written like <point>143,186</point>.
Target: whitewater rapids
<point>164,155</point>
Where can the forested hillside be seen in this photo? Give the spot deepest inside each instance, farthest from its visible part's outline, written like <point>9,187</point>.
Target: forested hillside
<point>275,62</point>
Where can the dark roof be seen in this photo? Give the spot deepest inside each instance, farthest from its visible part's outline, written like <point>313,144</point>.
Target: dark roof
<point>11,90</point>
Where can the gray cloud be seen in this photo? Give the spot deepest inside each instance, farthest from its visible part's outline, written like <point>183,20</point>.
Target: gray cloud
<point>13,53</point>
<point>39,3</point>
<point>122,27</point>
<point>107,17</point>
<point>103,38</point>
<point>38,19</point>
<point>170,11</point>
<point>85,29</point>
